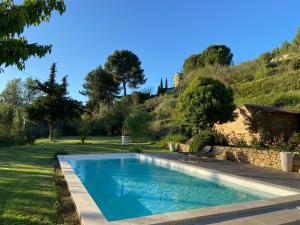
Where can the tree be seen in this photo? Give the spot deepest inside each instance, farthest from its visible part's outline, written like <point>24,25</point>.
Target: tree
<point>161,84</point>
<point>15,50</point>
<point>84,127</point>
<point>138,124</point>
<point>213,55</point>
<point>193,62</point>
<point>13,93</point>
<point>166,84</point>
<point>206,101</point>
<point>126,69</point>
<point>218,55</point>
<point>99,87</point>
<point>158,90</point>
<point>296,41</point>
<point>53,106</point>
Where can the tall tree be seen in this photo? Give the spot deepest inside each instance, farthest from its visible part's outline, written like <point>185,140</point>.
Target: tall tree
<point>161,84</point>
<point>166,84</point>
<point>15,50</point>
<point>126,69</point>
<point>99,87</point>
<point>53,106</point>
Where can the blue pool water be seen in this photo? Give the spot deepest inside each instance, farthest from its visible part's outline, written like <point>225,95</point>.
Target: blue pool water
<point>129,188</point>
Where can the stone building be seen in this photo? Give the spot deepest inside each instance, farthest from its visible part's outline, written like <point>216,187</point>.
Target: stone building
<point>177,79</point>
<point>256,121</point>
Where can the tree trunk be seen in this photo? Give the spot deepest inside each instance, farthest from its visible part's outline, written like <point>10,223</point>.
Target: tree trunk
<point>50,131</point>
<point>124,88</point>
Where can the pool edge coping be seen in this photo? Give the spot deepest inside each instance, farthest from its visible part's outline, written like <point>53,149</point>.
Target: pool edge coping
<point>90,213</point>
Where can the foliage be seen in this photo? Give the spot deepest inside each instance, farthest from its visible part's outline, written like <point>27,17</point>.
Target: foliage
<point>206,101</point>
<point>177,138</point>
<point>219,138</point>
<point>287,145</point>
<point>125,67</point>
<point>84,127</point>
<point>138,123</point>
<point>237,139</point>
<point>100,86</point>
<point>213,55</point>
<point>202,139</point>
<point>218,55</point>
<point>193,62</point>
<point>54,106</point>
<point>164,118</point>
<point>110,118</point>
<point>15,50</point>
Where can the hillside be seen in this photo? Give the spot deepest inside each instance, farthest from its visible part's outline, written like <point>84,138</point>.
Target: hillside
<point>273,78</point>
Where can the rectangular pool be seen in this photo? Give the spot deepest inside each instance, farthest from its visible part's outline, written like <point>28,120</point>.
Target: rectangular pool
<point>127,186</point>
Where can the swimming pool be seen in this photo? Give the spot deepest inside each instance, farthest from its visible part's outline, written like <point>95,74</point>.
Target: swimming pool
<point>127,186</point>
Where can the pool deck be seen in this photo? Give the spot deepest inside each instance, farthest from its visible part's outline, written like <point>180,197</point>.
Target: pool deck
<point>288,214</point>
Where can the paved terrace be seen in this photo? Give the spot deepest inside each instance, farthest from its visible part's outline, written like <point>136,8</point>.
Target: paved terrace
<point>286,214</point>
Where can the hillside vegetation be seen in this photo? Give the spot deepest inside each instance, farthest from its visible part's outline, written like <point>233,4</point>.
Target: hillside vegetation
<point>273,78</point>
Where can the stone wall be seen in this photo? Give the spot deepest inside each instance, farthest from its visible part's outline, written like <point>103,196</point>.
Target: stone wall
<point>256,157</point>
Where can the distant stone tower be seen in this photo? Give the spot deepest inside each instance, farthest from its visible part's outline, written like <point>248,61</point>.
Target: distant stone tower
<point>177,79</point>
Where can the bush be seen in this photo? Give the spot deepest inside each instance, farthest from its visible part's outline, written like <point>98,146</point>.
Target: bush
<point>201,140</point>
<point>84,127</point>
<point>220,139</point>
<point>138,123</point>
<point>205,102</point>
<point>160,128</point>
<point>295,64</point>
<point>178,138</point>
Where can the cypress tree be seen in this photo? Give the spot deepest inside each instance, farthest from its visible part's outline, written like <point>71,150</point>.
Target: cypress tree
<point>166,84</point>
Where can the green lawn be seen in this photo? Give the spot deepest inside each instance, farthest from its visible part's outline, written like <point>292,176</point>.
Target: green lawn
<point>29,190</point>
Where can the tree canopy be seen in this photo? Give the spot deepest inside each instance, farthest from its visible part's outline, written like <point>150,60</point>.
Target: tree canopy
<point>206,101</point>
<point>99,87</point>
<point>126,69</point>
<point>15,50</point>
<point>53,106</point>
<point>213,55</point>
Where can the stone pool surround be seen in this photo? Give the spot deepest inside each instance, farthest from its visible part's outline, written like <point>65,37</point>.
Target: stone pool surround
<point>90,214</point>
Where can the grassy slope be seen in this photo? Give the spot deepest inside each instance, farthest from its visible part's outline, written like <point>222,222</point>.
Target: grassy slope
<point>27,189</point>
<point>281,90</point>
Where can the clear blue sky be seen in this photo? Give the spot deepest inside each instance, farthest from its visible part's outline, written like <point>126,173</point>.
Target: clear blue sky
<point>161,32</point>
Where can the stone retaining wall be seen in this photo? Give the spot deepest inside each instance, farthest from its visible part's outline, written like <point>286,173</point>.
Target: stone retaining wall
<point>256,157</point>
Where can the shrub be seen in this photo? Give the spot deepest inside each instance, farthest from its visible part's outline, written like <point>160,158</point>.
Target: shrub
<point>205,102</point>
<point>201,140</point>
<point>220,139</point>
<point>138,123</point>
<point>160,128</point>
<point>295,64</point>
<point>178,138</point>
<point>84,128</point>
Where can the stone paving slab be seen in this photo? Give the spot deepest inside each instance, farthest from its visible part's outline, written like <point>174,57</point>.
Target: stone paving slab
<point>269,175</point>
<point>284,215</point>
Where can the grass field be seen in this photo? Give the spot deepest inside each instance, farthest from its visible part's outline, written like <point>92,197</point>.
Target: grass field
<point>29,194</point>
